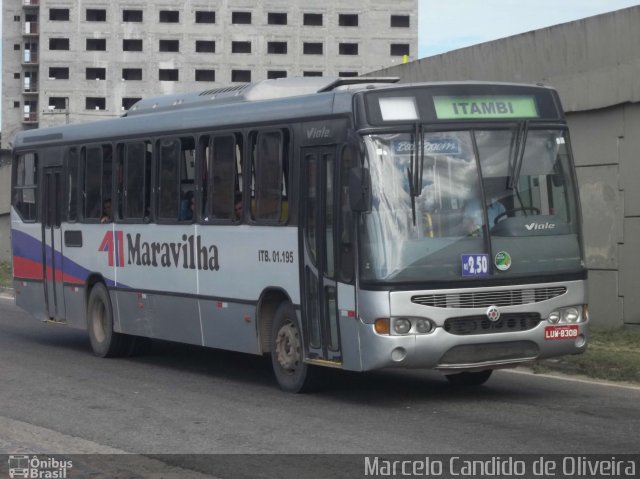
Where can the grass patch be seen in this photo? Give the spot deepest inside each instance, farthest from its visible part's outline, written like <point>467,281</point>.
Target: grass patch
<point>6,280</point>
<point>612,354</point>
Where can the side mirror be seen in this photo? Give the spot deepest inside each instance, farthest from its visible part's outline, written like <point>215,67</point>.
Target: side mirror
<point>359,189</point>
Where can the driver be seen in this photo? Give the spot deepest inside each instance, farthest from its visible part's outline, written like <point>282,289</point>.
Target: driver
<point>472,216</point>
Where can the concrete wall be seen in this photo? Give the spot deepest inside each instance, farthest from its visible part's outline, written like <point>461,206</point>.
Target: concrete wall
<point>5,238</point>
<point>606,146</point>
<point>5,205</point>
<point>595,65</point>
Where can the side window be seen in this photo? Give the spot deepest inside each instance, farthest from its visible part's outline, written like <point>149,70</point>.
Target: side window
<point>329,188</point>
<point>72,184</point>
<point>345,222</point>
<point>97,168</point>
<point>187,179</point>
<point>269,176</point>
<point>311,205</point>
<point>176,174</point>
<point>25,185</point>
<point>168,179</point>
<point>222,193</point>
<point>135,180</point>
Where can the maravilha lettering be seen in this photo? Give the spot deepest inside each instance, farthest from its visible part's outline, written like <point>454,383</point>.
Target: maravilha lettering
<point>190,253</point>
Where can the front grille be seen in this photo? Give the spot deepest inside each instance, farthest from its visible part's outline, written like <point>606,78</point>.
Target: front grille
<point>481,353</point>
<point>484,299</point>
<point>508,323</point>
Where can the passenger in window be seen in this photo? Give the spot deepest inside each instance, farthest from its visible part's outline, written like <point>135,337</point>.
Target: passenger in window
<point>237,207</point>
<point>107,216</point>
<point>187,206</point>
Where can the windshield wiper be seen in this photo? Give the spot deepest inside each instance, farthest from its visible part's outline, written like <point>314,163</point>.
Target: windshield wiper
<point>516,166</point>
<point>415,170</point>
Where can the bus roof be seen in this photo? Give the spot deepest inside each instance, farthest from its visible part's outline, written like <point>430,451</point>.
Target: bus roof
<point>264,101</point>
<point>255,103</point>
<point>250,92</point>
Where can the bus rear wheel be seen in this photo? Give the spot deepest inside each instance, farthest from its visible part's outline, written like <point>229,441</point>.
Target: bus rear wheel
<point>287,352</point>
<point>469,379</point>
<point>105,342</point>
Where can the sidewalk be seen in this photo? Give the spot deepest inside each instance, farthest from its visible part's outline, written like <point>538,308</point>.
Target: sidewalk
<point>6,293</point>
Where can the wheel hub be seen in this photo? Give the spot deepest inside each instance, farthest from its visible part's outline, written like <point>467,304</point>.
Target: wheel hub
<point>288,347</point>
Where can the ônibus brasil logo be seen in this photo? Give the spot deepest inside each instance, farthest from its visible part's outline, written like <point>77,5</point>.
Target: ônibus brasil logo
<point>189,253</point>
<point>22,465</point>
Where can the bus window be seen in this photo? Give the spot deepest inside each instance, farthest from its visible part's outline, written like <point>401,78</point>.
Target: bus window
<point>72,182</point>
<point>542,187</point>
<point>168,179</point>
<point>176,175</point>
<point>346,260</point>
<point>25,185</point>
<point>97,183</point>
<point>136,170</point>
<point>222,185</point>
<point>329,255</point>
<point>269,176</point>
<point>311,206</point>
<point>187,179</point>
<point>187,160</point>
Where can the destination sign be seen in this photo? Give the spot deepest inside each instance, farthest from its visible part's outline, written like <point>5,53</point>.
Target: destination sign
<point>432,147</point>
<point>484,107</point>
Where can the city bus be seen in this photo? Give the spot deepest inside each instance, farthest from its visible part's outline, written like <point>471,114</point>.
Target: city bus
<point>350,223</point>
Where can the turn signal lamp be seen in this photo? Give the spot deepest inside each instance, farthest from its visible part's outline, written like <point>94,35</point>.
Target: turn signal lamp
<point>382,326</point>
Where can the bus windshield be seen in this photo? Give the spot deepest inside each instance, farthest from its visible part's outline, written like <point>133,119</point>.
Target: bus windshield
<point>492,202</point>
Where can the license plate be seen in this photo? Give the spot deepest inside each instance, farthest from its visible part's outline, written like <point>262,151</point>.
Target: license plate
<point>570,331</point>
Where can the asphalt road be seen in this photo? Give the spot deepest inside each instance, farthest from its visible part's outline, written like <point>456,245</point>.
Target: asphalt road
<point>56,397</point>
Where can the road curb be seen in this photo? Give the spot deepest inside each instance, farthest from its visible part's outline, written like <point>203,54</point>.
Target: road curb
<point>6,292</point>
<point>557,365</point>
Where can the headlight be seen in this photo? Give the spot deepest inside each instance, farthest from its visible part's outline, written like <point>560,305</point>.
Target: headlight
<point>571,315</point>
<point>401,326</point>
<point>423,326</point>
<point>554,317</point>
<point>568,315</point>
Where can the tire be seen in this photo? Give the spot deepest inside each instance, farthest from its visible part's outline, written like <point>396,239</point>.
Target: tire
<point>104,341</point>
<point>287,352</point>
<point>469,379</point>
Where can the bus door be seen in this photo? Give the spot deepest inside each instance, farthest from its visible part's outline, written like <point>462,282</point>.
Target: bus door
<point>52,241</point>
<point>320,292</point>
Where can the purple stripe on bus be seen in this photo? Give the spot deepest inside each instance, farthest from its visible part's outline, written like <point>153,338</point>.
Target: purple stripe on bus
<point>25,246</point>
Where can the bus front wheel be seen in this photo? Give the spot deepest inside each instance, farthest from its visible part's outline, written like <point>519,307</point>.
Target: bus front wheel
<point>469,379</point>
<point>104,341</point>
<point>287,352</point>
